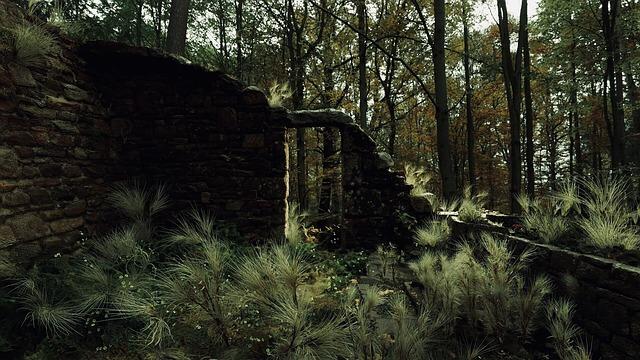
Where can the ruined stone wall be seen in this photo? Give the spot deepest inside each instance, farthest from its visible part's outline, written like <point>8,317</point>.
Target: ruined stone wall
<point>54,152</point>
<point>214,142</point>
<point>87,118</point>
<point>373,193</point>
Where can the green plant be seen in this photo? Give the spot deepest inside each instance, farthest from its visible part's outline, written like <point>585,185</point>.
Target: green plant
<point>389,257</point>
<point>294,228</point>
<point>542,219</point>
<point>433,234</point>
<point>563,333</point>
<point>568,199</point>
<point>470,209</point>
<point>418,178</point>
<point>360,311</point>
<point>414,333</point>
<point>608,231</point>
<point>31,44</point>
<point>278,94</point>
<point>606,222</point>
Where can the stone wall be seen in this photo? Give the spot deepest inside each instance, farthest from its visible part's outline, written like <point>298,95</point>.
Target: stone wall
<point>87,118</point>
<point>53,151</point>
<point>214,142</point>
<point>372,192</point>
<point>606,293</point>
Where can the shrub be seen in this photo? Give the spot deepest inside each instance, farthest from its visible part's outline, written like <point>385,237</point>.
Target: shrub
<point>433,234</point>
<point>31,44</point>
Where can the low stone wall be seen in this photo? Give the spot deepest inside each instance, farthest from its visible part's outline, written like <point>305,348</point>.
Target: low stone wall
<point>606,292</point>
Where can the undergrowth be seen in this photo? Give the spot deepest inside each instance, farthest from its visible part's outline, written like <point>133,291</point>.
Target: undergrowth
<point>598,209</point>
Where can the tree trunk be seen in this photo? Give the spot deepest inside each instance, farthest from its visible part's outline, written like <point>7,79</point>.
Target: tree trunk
<point>239,30</point>
<point>471,136</point>
<point>609,17</point>
<point>576,136</point>
<point>528,114</point>
<point>177,32</point>
<point>158,23</point>
<point>139,4</point>
<point>362,65</point>
<point>512,82</point>
<point>442,105</point>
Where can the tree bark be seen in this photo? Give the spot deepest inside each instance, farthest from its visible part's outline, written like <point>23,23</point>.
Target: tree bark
<point>609,17</point>
<point>362,64</point>
<point>528,112</point>
<point>239,31</point>
<point>512,82</point>
<point>177,32</point>
<point>157,22</point>
<point>445,164</point>
<point>576,135</point>
<point>139,5</point>
<point>471,136</point>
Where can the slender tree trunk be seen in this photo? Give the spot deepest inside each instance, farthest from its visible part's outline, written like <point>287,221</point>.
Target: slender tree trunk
<point>609,15</point>
<point>576,136</point>
<point>442,104</point>
<point>528,113</point>
<point>158,23</point>
<point>139,4</point>
<point>512,81</point>
<point>177,32</point>
<point>362,65</point>
<point>239,31</point>
<point>471,136</point>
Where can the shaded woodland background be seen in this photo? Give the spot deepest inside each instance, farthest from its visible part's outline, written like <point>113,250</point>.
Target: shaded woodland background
<point>506,104</point>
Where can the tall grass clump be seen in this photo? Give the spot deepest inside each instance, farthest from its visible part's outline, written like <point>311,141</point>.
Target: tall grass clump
<point>279,94</point>
<point>471,205</point>
<point>294,228</point>
<point>433,234</point>
<point>486,286</point>
<point>606,222</point>
<point>418,178</point>
<point>563,333</point>
<point>543,219</point>
<point>598,208</point>
<point>31,44</point>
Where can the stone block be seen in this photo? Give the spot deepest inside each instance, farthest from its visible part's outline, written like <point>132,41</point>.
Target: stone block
<point>15,198</point>
<point>7,237</point>
<point>613,316</point>
<point>253,141</point>
<point>75,208</point>
<point>66,225</point>
<point>50,170</point>
<point>254,97</point>
<point>39,196</point>
<point>9,166</point>
<point>28,227</point>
